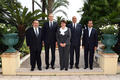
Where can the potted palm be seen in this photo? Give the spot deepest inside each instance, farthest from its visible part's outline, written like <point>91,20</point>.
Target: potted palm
<point>10,37</point>
<point>109,37</point>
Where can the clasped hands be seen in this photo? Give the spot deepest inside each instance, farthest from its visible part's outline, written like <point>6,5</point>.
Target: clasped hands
<point>62,44</point>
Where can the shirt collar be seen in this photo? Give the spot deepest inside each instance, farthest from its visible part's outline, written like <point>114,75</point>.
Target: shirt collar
<point>89,28</point>
<point>35,28</point>
<point>74,23</point>
<point>50,21</point>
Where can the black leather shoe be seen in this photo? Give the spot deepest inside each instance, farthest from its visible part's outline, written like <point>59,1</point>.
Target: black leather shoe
<point>85,67</point>
<point>32,69</point>
<point>71,67</point>
<point>53,67</point>
<point>66,69</point>
<point>61,69</point>
<point>47,67</point>
<point>77,67</point>
<point>40,68</point>
<point>91,68</point>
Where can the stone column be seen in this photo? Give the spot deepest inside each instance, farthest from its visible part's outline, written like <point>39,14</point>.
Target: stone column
<point>10,62</point>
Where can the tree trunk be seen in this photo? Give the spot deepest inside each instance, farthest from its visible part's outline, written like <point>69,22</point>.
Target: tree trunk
<point>21,34</point>
<point>50,5</point>
<point>43,8</point>
<point>32,5</point>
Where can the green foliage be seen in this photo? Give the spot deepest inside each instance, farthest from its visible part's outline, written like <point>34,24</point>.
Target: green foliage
<point>55,7</point>
<point>24,49</point>
<point>17,15</point>
<point>12,12</point>
<point>4,29</point>
<point>102,12</point>
<point>110,29</point>
<point>59,18</point>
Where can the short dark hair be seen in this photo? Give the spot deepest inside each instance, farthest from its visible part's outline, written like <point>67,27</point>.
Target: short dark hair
<point>63,21</point>
<point>90,20</point>
<point>35,20</point>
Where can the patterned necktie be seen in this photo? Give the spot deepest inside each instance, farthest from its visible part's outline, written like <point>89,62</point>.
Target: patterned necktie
<point>36,32</point>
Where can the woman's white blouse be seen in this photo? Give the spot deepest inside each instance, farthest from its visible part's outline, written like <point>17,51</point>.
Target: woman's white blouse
<point>62,31</point>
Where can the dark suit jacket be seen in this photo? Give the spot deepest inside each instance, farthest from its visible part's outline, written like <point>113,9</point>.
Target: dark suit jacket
<point>75,34</point>
<point>63,38</point>
<point>49,34</point>
<point>32,40</point>
<point>92,41</point>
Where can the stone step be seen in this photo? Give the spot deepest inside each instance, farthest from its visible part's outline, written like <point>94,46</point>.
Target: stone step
<point>57,72</point>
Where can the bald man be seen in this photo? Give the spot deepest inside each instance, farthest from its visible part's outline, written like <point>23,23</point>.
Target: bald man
<point>49,33</point>
<point>76,31</point>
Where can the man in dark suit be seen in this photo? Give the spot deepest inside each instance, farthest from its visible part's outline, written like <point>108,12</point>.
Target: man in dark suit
<point>49,31</point>
<point>76,31</point>
<point>89,43</point>
<point>34,42</point>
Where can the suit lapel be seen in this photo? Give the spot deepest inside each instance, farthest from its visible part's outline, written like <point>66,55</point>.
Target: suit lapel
<point>76,26</point>
<point>71,26</point>
<point>87,32</point>
<point>53,24</point>
<point>39,32</point>
<point>33,32</point>
<point>49,25</point>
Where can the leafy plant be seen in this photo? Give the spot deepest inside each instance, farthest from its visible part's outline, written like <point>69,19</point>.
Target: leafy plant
<point>12,12</point>
<point>53,6</point>
<point>102,12</point>
<point>4,29</point>
<point>24,48</point>
<point>110,29</point>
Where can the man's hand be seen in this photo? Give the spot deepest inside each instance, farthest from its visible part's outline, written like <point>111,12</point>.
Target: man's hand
<point>64,44</point>
<point>95,48</point>
<point>83,47</point>
<point>56,43</point>
<point>28,46</point>
<point>61,44</point>
<point>42,43</point>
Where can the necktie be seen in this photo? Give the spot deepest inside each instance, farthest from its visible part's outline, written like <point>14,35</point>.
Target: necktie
<point>36,32</point>
<point>74,26</point>
<point>51,24</point>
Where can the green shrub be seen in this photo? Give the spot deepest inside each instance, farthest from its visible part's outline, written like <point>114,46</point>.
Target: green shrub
<point>24,49</point>
<point>110,29</point>
<point>4,29</point>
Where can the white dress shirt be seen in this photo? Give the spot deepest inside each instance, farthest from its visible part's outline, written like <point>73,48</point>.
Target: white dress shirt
<point>89,30</point>
<point>74,24</point>
<point>50,23</point>
<point>37,33</point>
